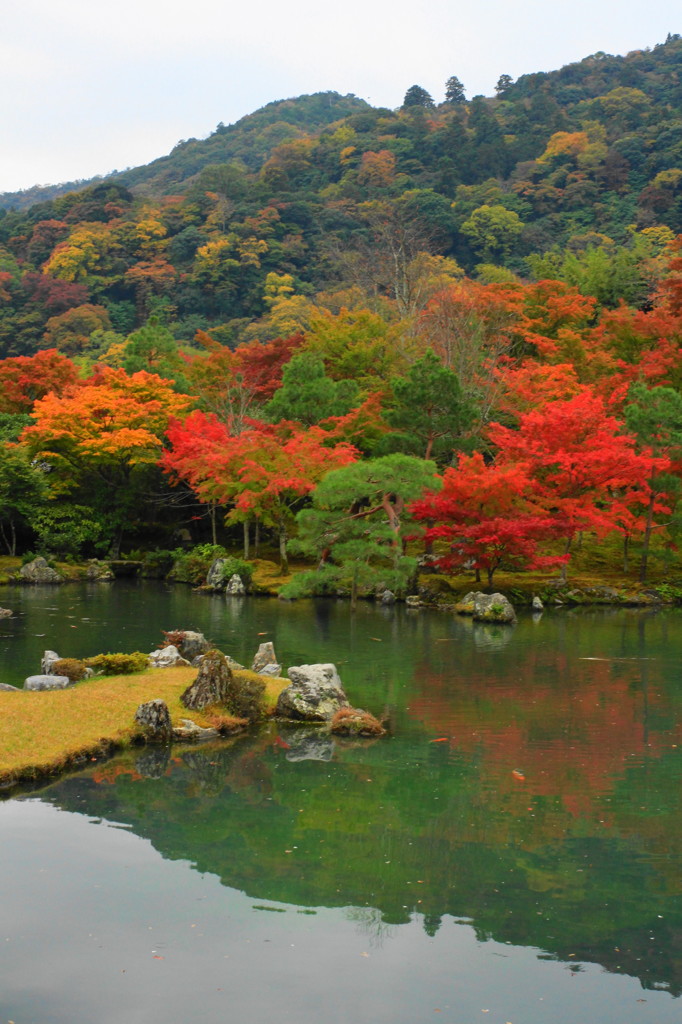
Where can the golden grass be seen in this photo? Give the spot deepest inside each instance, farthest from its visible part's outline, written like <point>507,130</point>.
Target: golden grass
<point>41,733</point>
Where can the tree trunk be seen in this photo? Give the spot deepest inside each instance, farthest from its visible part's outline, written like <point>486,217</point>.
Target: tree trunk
<point>491,573</point>
<point>564,567</point>
<point>354,589</point>
<point>245,525</point>
<point>626,551</point>
<point>647,539</point>
<point>283,557</point>
<point>256,538</point>
<point>214,535</point>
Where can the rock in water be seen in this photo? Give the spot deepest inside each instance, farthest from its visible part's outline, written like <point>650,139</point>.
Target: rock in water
<point>265,660</point>
<point>212,683</point>
<point>538,606</point>
<point>356,722</point>
<point>167,657</point>
<point>315,694</point>
<point>493,608</point>
<point>214,576</point>
<point>235,586</point>
<point>45,682</point>
<point>47,662</point>
<point>6,613</point>
<point>38,571</point>
<point>154,717</point>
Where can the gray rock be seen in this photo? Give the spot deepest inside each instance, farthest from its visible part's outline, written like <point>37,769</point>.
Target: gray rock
<point>212,683</point>
<point>538,606</point>
<point>265,656</point>
<point>167,657</point>
<point>314,695</point>
<point>38,571</point>
<point>235,587</point>
<point>47,661</point>
<point>493,608</point>
<point>413,601</point>
<point>388,597</point>
<point>189,730</point>
<point>214,576</point>
<point>271,670</point>
<point>193,644</point>
<point>154,718</point>
<point>5,687</point>
<point>47,682</point>
<point>6,613</point>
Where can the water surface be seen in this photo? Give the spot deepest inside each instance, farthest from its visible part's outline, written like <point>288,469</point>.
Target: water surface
<point>510,853</point>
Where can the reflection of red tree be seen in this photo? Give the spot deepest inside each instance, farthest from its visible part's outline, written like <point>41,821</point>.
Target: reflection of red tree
<point>572,740</point>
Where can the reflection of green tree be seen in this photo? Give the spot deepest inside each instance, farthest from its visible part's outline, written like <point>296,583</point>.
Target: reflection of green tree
<point>403,829</point>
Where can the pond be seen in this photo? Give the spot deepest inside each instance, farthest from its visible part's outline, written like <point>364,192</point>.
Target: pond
<point>510,853</point>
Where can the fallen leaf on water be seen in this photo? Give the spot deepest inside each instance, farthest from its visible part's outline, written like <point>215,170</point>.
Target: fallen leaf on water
<point>159,958</point>
<point>441,739</point>
<point>364,954</point>
<point>377,638</point>
<point>519,775</point>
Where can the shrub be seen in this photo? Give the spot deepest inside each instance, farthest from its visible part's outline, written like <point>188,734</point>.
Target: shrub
<point>156,564</point>
<point>173,637</point>
<point>118,664</point>
<point>237,565</point>
<point>246,696</point>
<point>73,668</point>
<point>356,722</point>
<point>192,566</point>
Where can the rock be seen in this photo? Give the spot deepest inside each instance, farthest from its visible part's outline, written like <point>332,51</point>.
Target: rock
<point>493,608</point>
<point>414,601</point>
<point>235,587</point>
<point>167,657</point>
<point>388,597</point>
<point>314,695</point>
<point>6,613</point>
<point>271,670</point>
<point>538,606</point>
<point>38,571</point>
<point>154,717</point>
<point>6,688</point>
<point>47,682</point>
<point>356,722</point>
<point>193,644</point>
<point>466,605</point>
<point>189,730</point>
<point>265,658</point>
<point>98,572</point>
<point>47,661</point>
<point>212,683</point>
<point>214,576</point>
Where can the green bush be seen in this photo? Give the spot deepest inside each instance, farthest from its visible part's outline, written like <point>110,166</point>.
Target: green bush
<point>156,565</point>
<point>118,664</point>
<point>191,566</point>
<point>237,565</point>
<point>73,668</point>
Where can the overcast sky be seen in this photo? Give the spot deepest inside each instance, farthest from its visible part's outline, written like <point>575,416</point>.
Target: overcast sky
<point>89,86</point>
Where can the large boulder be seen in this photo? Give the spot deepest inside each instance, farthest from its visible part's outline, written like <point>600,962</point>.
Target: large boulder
<point>493,608</point>
<point>98,572</point>
<point>265,660</point>
<point>38,571</point>
<point>212,683</point>
<point>167,657</point>
<point>215,577</point>
<point>315,694</point>
<point>189,730</point>
<point>154,718</point>
<point>235,586</point>
<point>45,682</point>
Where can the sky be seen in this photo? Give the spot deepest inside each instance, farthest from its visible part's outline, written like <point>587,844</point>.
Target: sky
<point>91,86</point>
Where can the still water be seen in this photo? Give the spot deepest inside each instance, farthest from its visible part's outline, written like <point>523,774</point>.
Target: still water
<point>510,853</point>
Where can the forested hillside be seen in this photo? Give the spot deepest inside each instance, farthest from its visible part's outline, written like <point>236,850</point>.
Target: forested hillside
<point>493,286</point>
